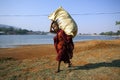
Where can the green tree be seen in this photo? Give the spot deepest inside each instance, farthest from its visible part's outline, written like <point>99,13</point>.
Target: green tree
<point>118,23</point>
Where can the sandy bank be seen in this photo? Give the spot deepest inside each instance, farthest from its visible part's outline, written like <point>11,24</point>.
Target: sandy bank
<point>37,51</point>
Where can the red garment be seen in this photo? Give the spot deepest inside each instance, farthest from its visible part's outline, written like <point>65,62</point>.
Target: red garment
<point>64,46</point>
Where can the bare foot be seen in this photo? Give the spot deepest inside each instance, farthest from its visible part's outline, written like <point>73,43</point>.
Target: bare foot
<point>57,71</point>
<point>68,64</point>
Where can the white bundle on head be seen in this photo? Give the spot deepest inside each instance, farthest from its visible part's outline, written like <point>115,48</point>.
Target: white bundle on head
<point>65,21</point>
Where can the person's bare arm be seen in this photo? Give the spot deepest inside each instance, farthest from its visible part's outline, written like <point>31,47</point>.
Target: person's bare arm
<point>51,29</point>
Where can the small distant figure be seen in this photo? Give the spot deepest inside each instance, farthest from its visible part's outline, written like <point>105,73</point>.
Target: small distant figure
<point>63,44</point>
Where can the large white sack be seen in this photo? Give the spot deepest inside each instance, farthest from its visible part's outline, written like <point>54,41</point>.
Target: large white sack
<point>65,21</point>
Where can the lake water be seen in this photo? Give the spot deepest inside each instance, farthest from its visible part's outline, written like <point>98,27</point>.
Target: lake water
<point>15,40</point>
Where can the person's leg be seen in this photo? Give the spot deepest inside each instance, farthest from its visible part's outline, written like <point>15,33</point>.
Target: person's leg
<point>58,69</point>
<point>69,64</point>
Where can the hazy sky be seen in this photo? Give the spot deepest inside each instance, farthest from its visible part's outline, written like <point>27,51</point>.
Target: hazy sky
<point>89,20</point>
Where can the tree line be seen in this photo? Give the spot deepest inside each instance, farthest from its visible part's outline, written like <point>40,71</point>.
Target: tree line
<point>12,30</point>
<point>9,30</point>
<point>110,33</point>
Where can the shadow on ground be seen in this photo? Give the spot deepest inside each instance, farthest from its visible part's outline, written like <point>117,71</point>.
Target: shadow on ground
<point>114,63</point>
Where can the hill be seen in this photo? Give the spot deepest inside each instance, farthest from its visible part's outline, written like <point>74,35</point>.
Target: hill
<point>6,29</point>
<point>11,30</point>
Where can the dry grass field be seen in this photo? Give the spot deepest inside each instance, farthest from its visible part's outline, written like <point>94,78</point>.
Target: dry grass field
<point>92,60</point>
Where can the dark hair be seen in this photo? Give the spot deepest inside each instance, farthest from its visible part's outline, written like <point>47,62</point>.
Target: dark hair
<point>55,23</point>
